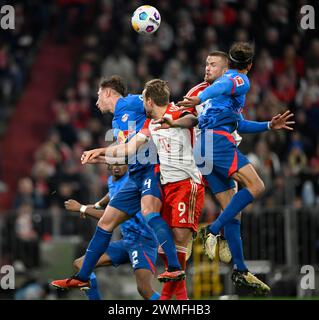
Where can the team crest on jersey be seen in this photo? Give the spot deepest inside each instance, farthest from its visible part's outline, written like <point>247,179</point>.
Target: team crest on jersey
<point>239,81</point>
<point>124,117</point>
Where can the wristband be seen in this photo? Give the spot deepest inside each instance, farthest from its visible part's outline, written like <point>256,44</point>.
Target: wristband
<point>268,125</point>
<point>83,209</point>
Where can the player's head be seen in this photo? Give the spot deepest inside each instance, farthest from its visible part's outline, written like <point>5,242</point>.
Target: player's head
<point>110,90</point>
<point>118,171</point>
<point>155,94</point>
<point>241,56</point>
<point>216,65</point>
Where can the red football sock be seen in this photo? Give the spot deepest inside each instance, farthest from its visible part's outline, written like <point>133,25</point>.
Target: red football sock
<point>168,287</point>
<point>180,286</point>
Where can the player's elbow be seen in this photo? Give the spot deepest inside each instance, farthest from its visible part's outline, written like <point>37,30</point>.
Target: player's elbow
<point>194,121</point>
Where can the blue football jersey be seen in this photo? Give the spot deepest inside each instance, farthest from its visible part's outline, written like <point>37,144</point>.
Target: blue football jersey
<point>129,117</point>
<point>225,99</point>
<point>135,228</point>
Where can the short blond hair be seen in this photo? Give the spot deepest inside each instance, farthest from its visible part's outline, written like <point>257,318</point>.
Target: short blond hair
<point>158,91</point>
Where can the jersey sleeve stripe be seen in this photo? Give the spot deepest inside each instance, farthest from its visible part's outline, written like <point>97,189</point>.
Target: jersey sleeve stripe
<point>234,85</point>
<point>197,88</point>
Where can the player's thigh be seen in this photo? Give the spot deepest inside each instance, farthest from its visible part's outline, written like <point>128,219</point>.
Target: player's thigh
<point>249,178</point>
<point>104,261</point>
<point>142,255</point>
<point>118,253</point>
<point>182,236</point>
<point>128,199</point>
<point>150,204</point>
<point>151,192</point>
<point>112,217</point>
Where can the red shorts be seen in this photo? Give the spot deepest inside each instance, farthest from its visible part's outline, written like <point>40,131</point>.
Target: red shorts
<point>183,203</point>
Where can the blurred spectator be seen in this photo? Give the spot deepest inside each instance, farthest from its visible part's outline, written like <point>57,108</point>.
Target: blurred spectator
<point>27,245</point>
<point>297,159</point>
<point>26,193</point>
<point>266,163</point>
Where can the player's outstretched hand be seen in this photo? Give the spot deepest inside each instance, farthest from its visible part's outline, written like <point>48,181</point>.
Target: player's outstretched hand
<point>92,156</point>
<point>281,121</point>
<point>165,123</point>
<point>188,102</point>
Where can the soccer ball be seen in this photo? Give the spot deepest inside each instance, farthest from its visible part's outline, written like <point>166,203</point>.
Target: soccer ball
<point>146,19</point>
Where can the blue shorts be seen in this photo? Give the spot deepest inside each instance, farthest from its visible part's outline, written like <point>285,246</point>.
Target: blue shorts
<point>139,254</point>
<point>141,183</point>
<point>218,158</point>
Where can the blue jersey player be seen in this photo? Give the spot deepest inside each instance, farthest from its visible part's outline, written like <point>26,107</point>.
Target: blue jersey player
<point>138,246</point>
<point>142,191</point>
<point>217,155</point>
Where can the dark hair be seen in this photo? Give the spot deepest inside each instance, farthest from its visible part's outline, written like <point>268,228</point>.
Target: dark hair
<point>114,82</point>
<point>221,54</point>
<point>241,55</point>
<point>158,91</point>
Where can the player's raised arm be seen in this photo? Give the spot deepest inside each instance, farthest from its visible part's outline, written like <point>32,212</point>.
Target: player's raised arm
<point>92,156</point>
<point>219,87</point>
<point>187,121</point>
<point>125,149</point>
<point>280,121</point>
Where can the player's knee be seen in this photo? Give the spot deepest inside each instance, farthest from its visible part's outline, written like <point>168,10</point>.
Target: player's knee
<point>106,224</point>
<point>182,236</point>
<point>257,188</point>
<point>146,210</point>
<point>180,239</point>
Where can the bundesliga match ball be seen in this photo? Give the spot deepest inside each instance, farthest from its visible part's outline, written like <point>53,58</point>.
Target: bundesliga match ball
<point>146,19</point>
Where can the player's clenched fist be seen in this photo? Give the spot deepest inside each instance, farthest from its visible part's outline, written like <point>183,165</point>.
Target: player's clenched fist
<point>72,205</point>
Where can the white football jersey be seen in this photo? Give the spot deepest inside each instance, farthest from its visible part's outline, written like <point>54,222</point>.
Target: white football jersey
<point>174,148</point>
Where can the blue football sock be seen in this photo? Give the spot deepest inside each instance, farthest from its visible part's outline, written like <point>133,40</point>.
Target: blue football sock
<point>232,235</point>
<point>238,202</point>
<point>93,293</point>
<point>155,296</point>
<point>96,248</point>
<point>165,238</point>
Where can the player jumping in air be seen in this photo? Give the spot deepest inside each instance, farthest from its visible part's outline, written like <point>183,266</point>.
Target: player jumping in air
<point>142,192</point>
<point>223,161</point>
<point>138,246</point>
<point>183,190</point>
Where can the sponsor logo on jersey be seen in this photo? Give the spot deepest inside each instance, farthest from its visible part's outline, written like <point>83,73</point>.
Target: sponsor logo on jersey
<point>239,81</point>
<point>124,117</point>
